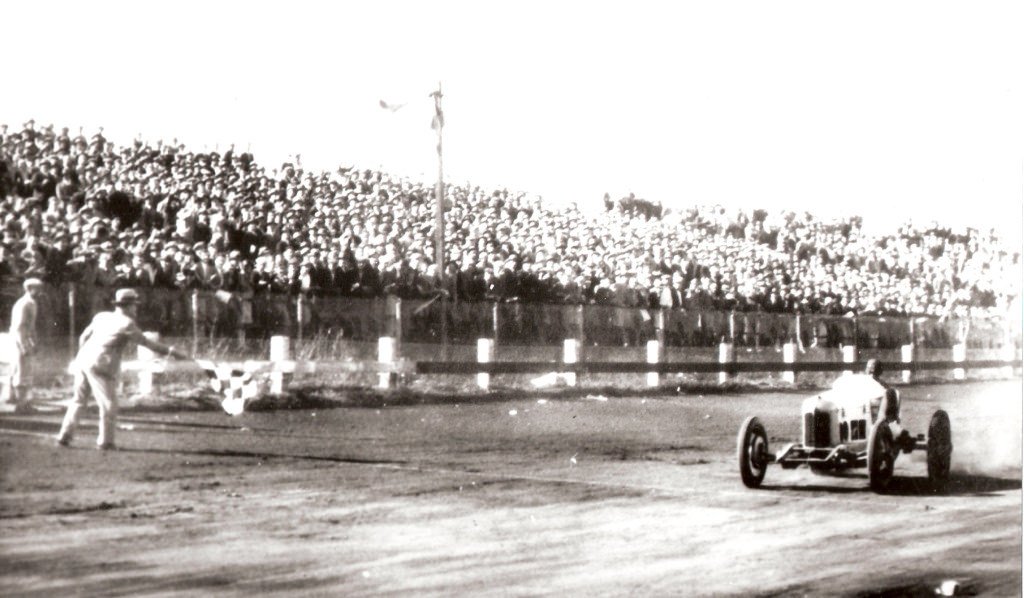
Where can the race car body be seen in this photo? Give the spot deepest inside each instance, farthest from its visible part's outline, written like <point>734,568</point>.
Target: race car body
<point>856,423</point>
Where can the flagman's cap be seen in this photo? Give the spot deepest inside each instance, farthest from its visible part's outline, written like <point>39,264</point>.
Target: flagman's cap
<point>126,297</point>
<point>32,283</point>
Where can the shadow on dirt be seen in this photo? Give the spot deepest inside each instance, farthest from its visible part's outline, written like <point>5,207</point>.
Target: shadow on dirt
<point>263,456</point>
<point>185,424</point>
<point>927,587</point>
<point>958,485</point>
<point>50,425</point>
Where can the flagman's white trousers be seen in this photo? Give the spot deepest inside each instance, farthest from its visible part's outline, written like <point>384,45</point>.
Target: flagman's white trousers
<point>103,389</point>
<point>19,378</point>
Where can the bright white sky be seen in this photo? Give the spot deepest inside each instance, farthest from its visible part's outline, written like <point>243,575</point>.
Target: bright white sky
<point>886,109</point>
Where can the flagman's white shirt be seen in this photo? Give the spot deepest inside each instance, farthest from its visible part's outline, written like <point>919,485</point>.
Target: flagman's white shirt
<point>103,342</point>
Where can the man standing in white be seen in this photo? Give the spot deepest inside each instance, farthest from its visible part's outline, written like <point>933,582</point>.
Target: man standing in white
<point>23,331</point>
<point>97,366</point>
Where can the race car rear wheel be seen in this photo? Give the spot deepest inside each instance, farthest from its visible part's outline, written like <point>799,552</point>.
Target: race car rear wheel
<point>940,450</point>
<point>881,456</point>
<point>752,450</point>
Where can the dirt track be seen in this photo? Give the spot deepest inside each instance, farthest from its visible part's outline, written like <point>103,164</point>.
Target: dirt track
<point>635,496</point>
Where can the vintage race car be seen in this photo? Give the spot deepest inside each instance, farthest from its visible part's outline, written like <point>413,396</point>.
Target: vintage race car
<point>854,424</point>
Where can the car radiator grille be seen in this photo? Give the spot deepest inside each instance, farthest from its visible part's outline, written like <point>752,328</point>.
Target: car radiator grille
<point>817,429</point>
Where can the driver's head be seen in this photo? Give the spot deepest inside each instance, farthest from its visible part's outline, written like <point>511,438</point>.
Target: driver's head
<point>874,368</point>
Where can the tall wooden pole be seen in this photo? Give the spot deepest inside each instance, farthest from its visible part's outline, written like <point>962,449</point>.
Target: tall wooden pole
<point>438,126</point>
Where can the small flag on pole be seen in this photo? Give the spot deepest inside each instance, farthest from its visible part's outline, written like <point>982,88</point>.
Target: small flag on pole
<point>391,107</point>
<point>438,121</point>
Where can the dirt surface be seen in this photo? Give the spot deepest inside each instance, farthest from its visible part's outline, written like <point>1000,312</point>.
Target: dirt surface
<point>569,496</point>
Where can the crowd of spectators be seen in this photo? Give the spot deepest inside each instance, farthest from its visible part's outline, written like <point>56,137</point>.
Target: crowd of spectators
<point>78,208</point>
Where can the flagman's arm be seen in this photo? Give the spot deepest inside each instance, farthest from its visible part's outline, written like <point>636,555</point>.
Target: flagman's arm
<point>160,348</point>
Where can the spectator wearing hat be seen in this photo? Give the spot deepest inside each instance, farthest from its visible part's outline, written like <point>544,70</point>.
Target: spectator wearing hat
<point>106,270</point>
<point>469,281</point>
<point>55,257</point>
<point>207,274</point>
<point>23,333</point>
<point>142,272</point>
<point>165,271</point>
<point>341,273</point>
<point>8,268</point>
<point>33,264</point>
<point>367,280</point>
<point>97,367</point>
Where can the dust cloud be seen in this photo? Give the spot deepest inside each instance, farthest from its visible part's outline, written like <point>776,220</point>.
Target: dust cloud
<point>987,432</point>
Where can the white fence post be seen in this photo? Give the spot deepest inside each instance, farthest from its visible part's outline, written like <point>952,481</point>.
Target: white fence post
<point>280,350</point>
<point>397,315</point>
<point>300,314</point>
<point>849,355</point>
<point>726,355</point>
<point>484,354</point>
<point>789,356</point>
<point>570,354</point>
<point>195,323</point>
<point>907,356</point>
<point>149,380</point>
<point>653,356</point>
<point>959,356</point>
<point>387,352</point>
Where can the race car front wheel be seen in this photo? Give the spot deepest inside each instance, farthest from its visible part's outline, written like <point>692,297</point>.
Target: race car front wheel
<point>752,451</point>
<point>881,456</point>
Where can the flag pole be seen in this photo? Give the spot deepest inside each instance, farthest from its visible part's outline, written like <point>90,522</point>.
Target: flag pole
<point>438,125</point>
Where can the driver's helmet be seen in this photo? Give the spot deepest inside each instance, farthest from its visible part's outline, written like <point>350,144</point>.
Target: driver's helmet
<point>874,368</point>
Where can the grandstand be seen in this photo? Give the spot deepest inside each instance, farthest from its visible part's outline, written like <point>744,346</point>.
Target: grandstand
<point>82,211</point>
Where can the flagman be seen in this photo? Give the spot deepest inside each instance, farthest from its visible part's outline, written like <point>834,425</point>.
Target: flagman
<point>97,366</point>
<point>23,331</point>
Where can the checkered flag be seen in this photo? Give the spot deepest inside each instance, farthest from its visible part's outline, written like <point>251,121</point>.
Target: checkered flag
<point>236,385</point>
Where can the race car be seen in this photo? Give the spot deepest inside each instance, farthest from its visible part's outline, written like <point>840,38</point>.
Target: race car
<point>854,424</point>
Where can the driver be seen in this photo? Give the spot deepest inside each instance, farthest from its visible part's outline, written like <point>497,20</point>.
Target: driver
<point>888,406</point>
